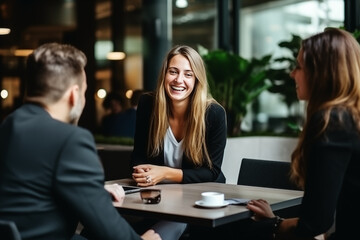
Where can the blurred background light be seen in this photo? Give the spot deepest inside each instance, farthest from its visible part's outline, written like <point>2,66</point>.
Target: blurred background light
<point>116,56</point>
<point>4,31</point>
<point>23,52</point>
<point>181,3</point>
<point>4,94</point>
<point>101,93</point>
<point>129,94</point>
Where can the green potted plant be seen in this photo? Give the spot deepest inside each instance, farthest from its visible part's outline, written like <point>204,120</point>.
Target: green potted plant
<point>280,78</point>
<point>235,82</point>
<point>281,82</point>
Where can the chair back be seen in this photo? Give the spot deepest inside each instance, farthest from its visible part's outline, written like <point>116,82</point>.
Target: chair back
<point>265,173</point>
<point>9,231</point>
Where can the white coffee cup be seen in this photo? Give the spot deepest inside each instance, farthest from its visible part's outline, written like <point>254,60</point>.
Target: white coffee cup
<point>212,198</point>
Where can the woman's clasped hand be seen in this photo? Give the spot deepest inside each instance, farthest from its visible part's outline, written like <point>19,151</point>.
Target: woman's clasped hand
<point>148,174</point>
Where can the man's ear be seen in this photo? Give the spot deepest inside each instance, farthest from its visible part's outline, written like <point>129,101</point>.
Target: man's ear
<point>74,95</point>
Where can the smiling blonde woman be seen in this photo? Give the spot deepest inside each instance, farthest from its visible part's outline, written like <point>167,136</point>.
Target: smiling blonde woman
<point>180,130</point>
<point>180,133</point>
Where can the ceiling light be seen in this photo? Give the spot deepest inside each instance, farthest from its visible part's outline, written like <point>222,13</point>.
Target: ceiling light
<point>115,55</point>
<point>23,52</point>
<point>181,3</point>
<point>4,31</point>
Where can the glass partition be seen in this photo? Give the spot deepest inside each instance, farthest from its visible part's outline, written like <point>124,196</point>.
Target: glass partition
<point>262,28</point>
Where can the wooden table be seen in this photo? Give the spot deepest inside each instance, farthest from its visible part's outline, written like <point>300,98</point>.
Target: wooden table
<point>178,202</point>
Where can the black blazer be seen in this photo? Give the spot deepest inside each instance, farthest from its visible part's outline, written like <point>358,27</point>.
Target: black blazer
<point>51,178</point>
<point>332,178</point>
<point>215,143</point>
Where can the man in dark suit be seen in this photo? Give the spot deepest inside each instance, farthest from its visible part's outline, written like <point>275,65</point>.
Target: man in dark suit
<point>50,174</point>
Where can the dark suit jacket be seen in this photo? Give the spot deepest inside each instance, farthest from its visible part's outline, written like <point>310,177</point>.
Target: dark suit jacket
<point>51,178</point>
<point>215,143</point>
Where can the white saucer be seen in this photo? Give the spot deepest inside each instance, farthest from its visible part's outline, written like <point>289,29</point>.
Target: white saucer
<point>200,203</point>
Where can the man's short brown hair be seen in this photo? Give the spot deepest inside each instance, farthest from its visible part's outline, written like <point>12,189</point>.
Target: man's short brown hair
<point>51,69</point>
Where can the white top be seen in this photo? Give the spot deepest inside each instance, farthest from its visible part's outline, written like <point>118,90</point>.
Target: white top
<point>173,150</point>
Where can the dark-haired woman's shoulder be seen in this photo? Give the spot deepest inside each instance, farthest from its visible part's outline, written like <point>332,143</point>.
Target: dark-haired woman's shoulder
<point>340,122</point>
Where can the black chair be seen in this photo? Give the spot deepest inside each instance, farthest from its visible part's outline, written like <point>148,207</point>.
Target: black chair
<point>9,231</point>
<point>265,173</point>
<point>270,174</point>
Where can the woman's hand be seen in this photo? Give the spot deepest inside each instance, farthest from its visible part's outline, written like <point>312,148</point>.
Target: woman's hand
<point>261,209</point>
<point>116,191</point>
<point>149,175</point>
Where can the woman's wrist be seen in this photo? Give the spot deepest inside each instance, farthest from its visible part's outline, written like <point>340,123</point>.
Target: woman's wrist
<point>277,221</point>
<point>173,174</point>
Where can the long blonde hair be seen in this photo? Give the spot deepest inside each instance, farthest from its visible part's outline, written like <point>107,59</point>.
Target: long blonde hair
<point>332,69</point>
<point>194,140</point>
